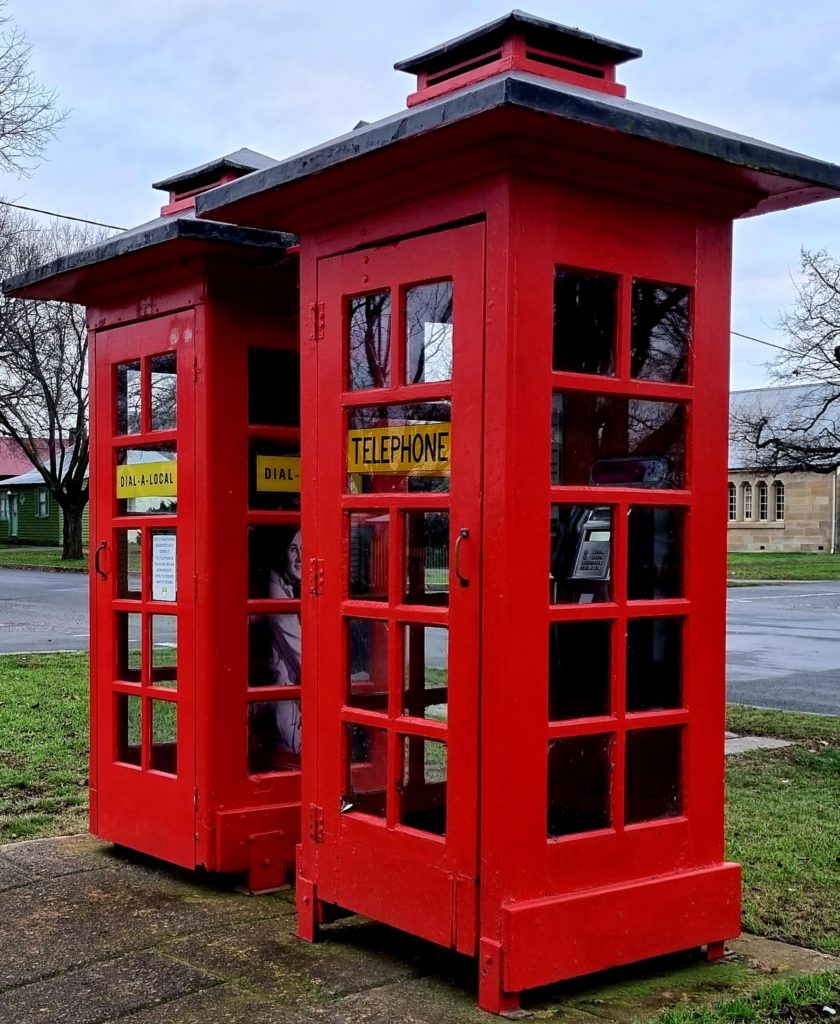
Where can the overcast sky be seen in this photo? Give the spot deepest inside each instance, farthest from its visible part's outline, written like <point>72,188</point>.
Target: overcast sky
<point>154,87</point>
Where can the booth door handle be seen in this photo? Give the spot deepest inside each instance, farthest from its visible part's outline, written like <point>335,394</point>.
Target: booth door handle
<point>96,564</point>
<point>463,533</point>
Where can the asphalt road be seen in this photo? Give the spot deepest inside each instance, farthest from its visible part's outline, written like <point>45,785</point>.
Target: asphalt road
<point>783,642</point>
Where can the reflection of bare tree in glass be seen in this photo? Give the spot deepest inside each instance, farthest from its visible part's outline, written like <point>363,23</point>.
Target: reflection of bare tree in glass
<point>163,388</point>
<point>370,341</point>
<point>661,332</point>
<point>428,328</point>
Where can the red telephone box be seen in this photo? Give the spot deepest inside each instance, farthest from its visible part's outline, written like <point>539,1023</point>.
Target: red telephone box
<point>515,299</point>
<point>195,533</point>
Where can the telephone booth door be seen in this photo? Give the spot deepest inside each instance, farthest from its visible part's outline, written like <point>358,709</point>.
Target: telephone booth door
<point>397,522</point>
<point>143,736</point>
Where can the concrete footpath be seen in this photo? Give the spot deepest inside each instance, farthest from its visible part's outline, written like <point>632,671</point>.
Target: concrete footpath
<point>90,935</point>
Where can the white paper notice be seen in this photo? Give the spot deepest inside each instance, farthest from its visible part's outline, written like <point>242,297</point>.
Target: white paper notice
<point>164,577</point>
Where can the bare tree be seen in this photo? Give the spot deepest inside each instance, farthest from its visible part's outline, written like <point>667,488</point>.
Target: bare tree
<point>28,112</point>
<point>801,430</point>
<point>43,371</point>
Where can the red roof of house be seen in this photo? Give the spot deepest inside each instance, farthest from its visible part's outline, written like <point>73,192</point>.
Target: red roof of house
<point>12,460</point>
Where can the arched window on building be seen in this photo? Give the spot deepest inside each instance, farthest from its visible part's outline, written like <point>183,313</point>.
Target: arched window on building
<point>746,494</point>
<point>763,505</point>
<point>779,500</point>
<point>733,503</point>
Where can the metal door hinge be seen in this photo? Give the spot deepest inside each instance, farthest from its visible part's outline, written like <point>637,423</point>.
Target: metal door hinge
<point>195,802</point>
<point>195,369</point>
<point>316,576</point>
<point>316,823</point>
<point>316,311</point>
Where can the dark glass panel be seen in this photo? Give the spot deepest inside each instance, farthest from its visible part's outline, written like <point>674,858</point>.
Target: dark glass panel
<point>274,736</point>
<point>164,392</point>
<point>128,397</point>
<point>366,770</point>
<point>369,341</point>
<point>654,664</point>
<point>654,553</point>
<point>660,337</point>
<point>128,732</point>
<point>273,387</point>
<point>428,330</point>
<point>578,670</point>
<point>579,773</point>
<point>427,558</point>
<point>274,562</point>
<point>274,650</point>
<point>426,672</point>
<point>611,441</point>
<point>584,322</point>
<point>369,545</point>
<point>654,774</point>
<point>164,754</point>
<point>581,539</point>
<point>423,789</point>
<point>367,664</point>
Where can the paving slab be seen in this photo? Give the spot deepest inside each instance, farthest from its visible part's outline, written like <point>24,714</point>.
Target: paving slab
<point>111,937</point>
<point>743,744</point>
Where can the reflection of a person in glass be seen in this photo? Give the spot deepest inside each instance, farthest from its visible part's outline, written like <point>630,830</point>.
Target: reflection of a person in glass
<point>285,652</point>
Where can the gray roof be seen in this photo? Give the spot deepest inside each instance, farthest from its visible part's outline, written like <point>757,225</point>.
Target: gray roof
<point>240,160</point>
<point>27,479</point>
<point>787,178</point>
<point>797,413</point>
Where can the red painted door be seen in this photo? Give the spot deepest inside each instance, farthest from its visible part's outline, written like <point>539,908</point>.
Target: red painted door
<point>398,523</point>
<point>144,658</point>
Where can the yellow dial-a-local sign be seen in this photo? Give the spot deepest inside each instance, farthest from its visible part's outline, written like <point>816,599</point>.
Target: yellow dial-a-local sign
<point>148,480</point>
<point>410,450</point>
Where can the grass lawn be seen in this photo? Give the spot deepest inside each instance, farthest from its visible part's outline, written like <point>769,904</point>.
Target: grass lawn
<point>43,745</point>
<point>39,558</point>
<point>791,1000</point>
<point>783,826</point>
<point>765,565</point>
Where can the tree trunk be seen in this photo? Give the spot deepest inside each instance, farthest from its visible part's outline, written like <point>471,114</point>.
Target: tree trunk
<point>72,539</point>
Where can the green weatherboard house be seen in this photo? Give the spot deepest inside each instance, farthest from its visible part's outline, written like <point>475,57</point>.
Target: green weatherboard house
<point>28,513</point>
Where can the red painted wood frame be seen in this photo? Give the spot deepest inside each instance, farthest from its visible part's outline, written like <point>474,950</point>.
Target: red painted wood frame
<point>375,862</point>
<point>144,697</point>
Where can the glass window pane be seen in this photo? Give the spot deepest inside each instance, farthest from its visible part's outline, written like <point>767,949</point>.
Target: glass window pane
<point>128,626</point>
<point>399,448</point>
<point>274,562</point>
<point>274,736</point>
<point>601,439</point>
<point>654,774</point>
<point>273,387</point>
<point>147,481</point>
<point>129,563</point>
<point>369,341</point>
<point>128,731</point>
<point>367,664</point>
<point>428,332</point>
<point>660,335</point>
<point>584,322</point>
<point>580,554</point>
<point>369,543</point>
<point>274,650</point>
<point>654,664</point>
<point>128,396</point>
<point>426,558</point>
<point>273,475</point>
<point>579,773</point>
<point>165,651</point>
<point>366,761</point>
<point>164,757</point>
<point>423,789</point>
<point>164,392</point>
<point>579,670</point>
<point>655,553</point>
<point>426,672</point>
